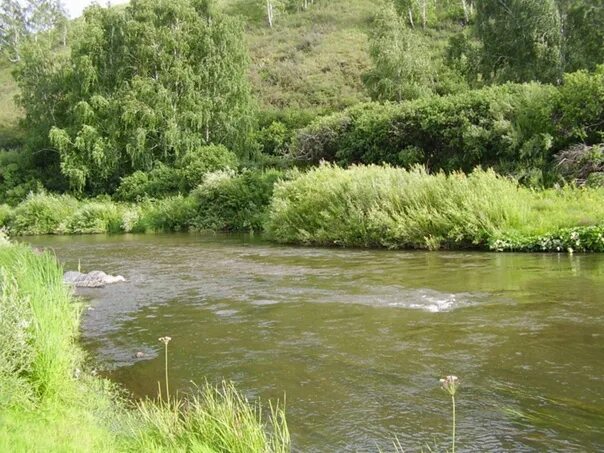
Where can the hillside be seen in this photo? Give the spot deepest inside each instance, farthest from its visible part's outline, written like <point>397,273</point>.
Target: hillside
<point>310,60</point>
<point>9,113</point>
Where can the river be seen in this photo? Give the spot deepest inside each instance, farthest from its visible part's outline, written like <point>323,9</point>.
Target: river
<point>357,340</point>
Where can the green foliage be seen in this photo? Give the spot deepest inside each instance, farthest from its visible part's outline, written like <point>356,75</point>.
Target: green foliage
<point>161,181</point>
<point>376,206</point>
<point>402,67</point>
<point>42,213</point>
<point>521,40</point>
<point>489,127</point>
<point>580,108</point>
<point>168,214</point>
<point>584,33</point>
<point>143,85</point>
<point>6,213</point>
<point>579,162</point>
<point>578,239</point>
<point>133,187</point>
<point>226,201</point>
<point>389,207</point>
<point>516,129</point>
<point>17,177</point>
<point>95,217</point>
<point>196,163</point>
<point>219,419</point>
<point>188,172</point>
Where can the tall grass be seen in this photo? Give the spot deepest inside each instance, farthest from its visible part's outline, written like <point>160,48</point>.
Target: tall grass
<point>49,403</point>
<point>217,418</point>
<point>383,206</point>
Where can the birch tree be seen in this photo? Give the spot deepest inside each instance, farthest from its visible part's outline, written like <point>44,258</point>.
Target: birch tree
<point>142,86</point>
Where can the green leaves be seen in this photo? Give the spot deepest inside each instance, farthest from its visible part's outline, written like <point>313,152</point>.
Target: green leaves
<point>142,86</point>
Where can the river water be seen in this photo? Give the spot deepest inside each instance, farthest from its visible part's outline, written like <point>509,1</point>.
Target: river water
<point>357,340</point>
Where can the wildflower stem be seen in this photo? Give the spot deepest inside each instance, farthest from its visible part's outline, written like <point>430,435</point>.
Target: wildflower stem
<point>166,369</point>
<point>453,436</point>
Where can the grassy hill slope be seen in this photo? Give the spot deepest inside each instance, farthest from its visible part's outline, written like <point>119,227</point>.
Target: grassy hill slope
<point>310,59</point>
<point>9,112</point>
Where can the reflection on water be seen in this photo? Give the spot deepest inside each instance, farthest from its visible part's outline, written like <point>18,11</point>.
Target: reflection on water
<point>357,340</point>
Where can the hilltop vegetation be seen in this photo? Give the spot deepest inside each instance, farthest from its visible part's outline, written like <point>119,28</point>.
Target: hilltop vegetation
<point>311,61</point>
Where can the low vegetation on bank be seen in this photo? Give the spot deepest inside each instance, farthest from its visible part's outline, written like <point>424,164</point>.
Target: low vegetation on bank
<point>358,206</point>
<point>49,402</point>
<point>382,206</point>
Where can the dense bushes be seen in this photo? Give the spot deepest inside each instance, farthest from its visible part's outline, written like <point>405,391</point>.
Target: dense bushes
<point>225,201</point>
<point>513,128</point>
<point>188,172</point>
<point>389,207</point>
<point>42,214</point>
<point>365,206</point>
<point>230,202</point>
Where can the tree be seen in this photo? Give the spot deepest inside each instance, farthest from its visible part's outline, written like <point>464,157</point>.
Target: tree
<point>21,20</point>
<point>521,40</point>
<point>142,86</point>
<point>402,67</point>
<point>583,30</point>
<point>13,29</point>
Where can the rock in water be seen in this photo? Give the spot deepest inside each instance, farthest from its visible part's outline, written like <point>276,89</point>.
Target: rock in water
<point>94,279</point>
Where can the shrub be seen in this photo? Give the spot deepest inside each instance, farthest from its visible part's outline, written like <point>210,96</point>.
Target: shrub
<point>95,217</point>
<point>6,213</point>
<point>161,181</point>
<point>577,239</point>
<point>197,163</point>
<point>132,220</point>
<point>578,162</point>
<point>580,108</point>
<point>3,237</point>
<point>514,128</point>
<point>17,178</point>
<point>133,187</point>
<point>272,139</point>
<point>229,202</point>
<point>42,213</point>
<point>391,207</point>
<point>168,214</point>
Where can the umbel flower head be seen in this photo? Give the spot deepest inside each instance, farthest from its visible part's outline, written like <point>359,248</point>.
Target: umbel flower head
<point>165,340</point>
<point>450,384</point>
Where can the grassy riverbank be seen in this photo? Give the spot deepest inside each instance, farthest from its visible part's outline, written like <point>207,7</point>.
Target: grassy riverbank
<point>49,402</point>
<point>382,206</point>
<point>362,206</point>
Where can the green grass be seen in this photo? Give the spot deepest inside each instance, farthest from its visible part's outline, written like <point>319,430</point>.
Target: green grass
<point>382,206</point>
<point>48,402</point>
<point>310,60</point>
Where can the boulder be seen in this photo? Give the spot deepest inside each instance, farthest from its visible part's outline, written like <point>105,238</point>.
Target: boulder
<point>94,279</point>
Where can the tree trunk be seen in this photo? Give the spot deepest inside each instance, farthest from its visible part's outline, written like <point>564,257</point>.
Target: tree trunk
<point>466,15</point>
<point>424,13</point>
<point>269,13</point>
<point>411,18</point>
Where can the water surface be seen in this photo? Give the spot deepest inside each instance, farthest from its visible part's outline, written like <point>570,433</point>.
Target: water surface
<point>357,339</point>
